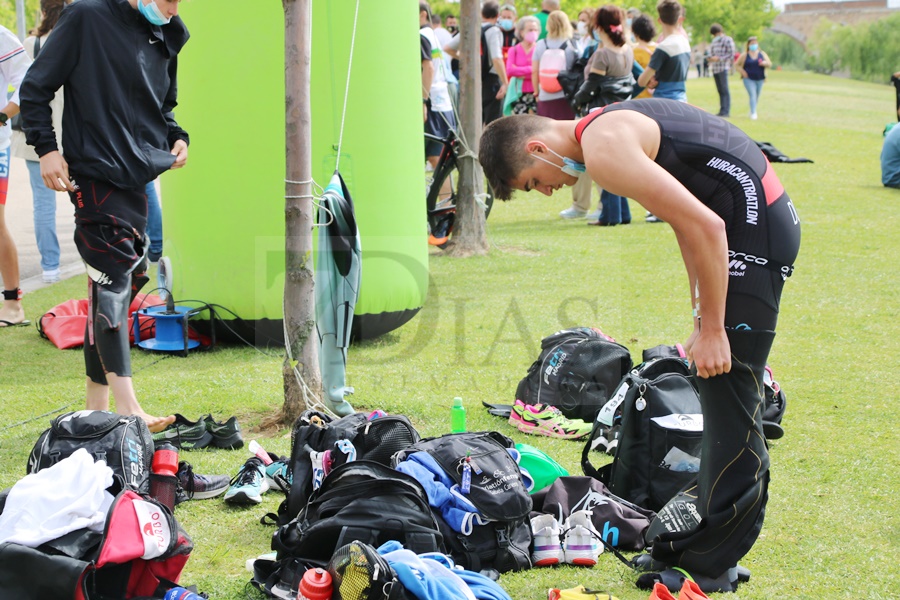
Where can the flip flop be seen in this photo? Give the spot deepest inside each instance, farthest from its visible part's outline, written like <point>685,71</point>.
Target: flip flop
<point>498,410</point>
<point>5,323</point>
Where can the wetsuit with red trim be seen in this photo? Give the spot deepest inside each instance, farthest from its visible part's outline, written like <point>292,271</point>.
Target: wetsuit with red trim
<point>710,525</point>
<point>725,169</point>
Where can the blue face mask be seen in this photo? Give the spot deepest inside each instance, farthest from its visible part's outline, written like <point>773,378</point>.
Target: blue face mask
<point>569,167</point>
<point>595,35</point>
<point>152,13</point>
<point>754,47</point>
<point>506,24</point>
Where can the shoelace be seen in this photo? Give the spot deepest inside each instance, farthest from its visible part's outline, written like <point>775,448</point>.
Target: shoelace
<point>249,473</point>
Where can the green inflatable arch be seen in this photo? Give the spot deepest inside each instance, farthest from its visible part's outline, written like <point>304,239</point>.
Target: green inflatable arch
<point>224,213</point>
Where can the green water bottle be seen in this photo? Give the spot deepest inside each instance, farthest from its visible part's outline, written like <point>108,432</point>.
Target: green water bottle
<point>457,416</point>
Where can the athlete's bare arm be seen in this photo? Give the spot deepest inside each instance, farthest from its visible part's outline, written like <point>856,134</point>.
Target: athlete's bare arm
<point>619,152</point>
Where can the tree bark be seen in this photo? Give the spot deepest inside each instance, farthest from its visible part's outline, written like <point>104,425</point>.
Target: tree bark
<point>469,236</point>
<point>299,286</point>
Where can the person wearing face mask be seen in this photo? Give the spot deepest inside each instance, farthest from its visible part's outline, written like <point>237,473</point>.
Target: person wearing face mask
<point>115,143</point>
<point>738,233</point>
<point>583,37</point>
<point>752,65</point>
<point>518,67</point>
<point>506,21</point>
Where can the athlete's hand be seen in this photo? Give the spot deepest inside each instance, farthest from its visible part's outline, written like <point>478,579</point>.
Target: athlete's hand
<point>180,150</point>
<point>501,93</point>
<point>692,339</point>
<point>711,353</point>
<point>55,172</point>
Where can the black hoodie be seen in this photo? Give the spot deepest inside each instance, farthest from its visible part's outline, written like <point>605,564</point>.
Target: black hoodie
<point>119,73</point>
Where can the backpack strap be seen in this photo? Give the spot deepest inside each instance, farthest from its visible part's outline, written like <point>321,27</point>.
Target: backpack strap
<point>356,534</point>
<point>37,46</point>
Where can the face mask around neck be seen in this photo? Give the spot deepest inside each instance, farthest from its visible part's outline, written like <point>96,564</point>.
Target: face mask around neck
<point>152,13</point>
<point>569,167</point>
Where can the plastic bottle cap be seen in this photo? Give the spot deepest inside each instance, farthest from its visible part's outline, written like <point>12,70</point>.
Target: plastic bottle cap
<point>316,584</point>
<point>457,402</point>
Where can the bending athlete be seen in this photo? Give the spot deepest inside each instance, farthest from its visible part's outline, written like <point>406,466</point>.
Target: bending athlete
<point>739,234</point>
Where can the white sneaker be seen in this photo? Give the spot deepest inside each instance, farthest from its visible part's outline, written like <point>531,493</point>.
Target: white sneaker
<point>572,213</point>
<point>593,216</point>
<point>51,276</point>
<point>752,116</point>
<point>547,548</point>
<point>581,542</point>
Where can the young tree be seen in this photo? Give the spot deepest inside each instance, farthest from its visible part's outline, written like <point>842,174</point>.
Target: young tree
<point>301,366</point>
<point>469,236</point>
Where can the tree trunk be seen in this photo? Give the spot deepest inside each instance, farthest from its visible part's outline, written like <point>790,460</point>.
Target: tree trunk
<point>469,236</point>
<point>299,299</point>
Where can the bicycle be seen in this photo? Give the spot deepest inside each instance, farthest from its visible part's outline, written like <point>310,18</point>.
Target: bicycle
<point>441,191</point>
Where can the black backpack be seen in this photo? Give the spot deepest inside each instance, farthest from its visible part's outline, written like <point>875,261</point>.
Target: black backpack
<point>495,487</point>
<point>577,371</point>
<point>123,442</point>
<point>374,440</point>
<point>657,407</point>
<point>360,501</point>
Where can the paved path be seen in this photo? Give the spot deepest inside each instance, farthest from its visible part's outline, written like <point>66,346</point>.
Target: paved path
<point>19,220</point>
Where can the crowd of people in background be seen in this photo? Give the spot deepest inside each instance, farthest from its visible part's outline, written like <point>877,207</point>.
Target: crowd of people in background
<point>522,55</point>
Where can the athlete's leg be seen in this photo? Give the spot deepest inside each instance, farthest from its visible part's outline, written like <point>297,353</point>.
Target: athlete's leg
<point>732,487</point>
<point>11,309</point>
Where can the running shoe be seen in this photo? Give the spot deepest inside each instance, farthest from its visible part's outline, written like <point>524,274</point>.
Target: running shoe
<point>547,547</point>
<point>572,213</point>
<point>185,434</point>
<point>249,484</point>
<point>278,475</point>
<point>225,435</point>
<point>198,487</point>
<point>543,419</point>
<point>581,542</point>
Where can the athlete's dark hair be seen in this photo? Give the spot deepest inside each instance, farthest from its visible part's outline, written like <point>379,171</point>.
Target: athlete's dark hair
<point>424,7</point>
<point>609,18</point>
<point>51,9</point>
<point>643,28</point>
<point>502,153</point>
<point>490,10</point>
<point>715,29</point>
<point>669,11</point>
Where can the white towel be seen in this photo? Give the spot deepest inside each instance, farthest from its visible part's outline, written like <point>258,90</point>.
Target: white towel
<point>46,505</point>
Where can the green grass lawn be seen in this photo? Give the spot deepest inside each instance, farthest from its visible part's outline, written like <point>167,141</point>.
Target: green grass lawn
<point>832,528</point>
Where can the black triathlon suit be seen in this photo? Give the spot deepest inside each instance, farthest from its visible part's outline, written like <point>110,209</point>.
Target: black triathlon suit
<point>725,169</point>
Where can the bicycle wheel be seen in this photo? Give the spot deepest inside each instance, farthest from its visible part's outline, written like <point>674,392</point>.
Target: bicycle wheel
<point>441,201</point>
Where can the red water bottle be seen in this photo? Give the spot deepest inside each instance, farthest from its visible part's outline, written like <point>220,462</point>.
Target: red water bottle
<point>315,585</point>
<point>163,477</point>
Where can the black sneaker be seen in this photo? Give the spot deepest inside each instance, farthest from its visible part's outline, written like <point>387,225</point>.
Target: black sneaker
<point>198,487</point>
<point>225,435</point>
<point>185,434</point>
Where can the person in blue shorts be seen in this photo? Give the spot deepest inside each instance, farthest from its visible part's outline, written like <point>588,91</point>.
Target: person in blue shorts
<point>738,233</point>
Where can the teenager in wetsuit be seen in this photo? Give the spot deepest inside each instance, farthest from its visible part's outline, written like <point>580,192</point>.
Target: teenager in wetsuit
<point>118,62</point>
<point>739,235</point>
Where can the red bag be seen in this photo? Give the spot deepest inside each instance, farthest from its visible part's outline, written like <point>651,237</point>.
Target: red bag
<point>141,552</point>
<point>64,324</point>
